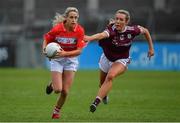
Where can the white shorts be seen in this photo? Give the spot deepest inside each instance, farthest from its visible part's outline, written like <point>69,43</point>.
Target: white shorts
<point>64,64</point>
<point>105,64</point>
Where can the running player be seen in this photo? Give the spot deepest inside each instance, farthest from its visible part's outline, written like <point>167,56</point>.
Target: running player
<point>69,35</point>
<point>116,42</point>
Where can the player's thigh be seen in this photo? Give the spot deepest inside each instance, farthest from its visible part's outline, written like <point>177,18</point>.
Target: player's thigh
<point>116,69</point>
<point>56,80</point>
<point>68,77</point>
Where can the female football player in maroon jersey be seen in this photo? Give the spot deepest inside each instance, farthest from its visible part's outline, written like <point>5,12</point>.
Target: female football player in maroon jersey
<point>116,41</point>
<point>69,35</point>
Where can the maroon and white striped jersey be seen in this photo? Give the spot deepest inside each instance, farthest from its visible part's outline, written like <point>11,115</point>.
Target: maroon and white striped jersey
<point>118,44</point>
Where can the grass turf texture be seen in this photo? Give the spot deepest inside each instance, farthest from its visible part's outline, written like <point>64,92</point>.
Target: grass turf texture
<point>137,96</point>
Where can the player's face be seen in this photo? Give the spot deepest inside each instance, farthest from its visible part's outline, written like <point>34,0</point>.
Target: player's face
<point>120,21</point>
<point>72,19</point>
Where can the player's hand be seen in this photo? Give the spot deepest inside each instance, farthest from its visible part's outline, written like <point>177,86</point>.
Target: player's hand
<point>150,53</point>
<point>44,52</point>
<point>86,38</point>
<point>59,54</point>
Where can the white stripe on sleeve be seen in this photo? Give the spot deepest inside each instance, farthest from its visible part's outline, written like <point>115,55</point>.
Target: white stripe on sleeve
<point>107,32</point>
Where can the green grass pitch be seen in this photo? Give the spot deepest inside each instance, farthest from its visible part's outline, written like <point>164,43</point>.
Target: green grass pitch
<point>137,96</point>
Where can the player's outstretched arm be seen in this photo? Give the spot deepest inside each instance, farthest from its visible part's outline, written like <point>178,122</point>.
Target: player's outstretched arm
<point>95,37</point>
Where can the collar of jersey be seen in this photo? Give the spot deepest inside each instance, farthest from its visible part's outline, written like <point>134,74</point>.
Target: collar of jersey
<point>114,28</point>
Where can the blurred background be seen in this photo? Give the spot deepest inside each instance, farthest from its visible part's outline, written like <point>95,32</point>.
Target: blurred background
<point>23,23</point>
<point>151,94</point>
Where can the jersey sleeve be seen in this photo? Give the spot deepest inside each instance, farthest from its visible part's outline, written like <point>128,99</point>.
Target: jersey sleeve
<point>51,35</point>
<point>80,41</point>
<point>108,30</point>
<point>141,29</point>
<point>137,30</point>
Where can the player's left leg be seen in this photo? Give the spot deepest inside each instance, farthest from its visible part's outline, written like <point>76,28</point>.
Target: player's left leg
<point>115,70</point>
<point>56,75</point>
<point>68,77</point>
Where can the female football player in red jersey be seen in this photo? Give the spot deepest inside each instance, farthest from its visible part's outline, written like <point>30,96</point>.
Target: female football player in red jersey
<point>116,41</point>
<point>69,35</point>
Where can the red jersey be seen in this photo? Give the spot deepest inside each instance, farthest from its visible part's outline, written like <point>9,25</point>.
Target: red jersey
<point>67,40</point>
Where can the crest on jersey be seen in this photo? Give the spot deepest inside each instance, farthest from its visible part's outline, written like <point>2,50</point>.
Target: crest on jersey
<point>129,36</point>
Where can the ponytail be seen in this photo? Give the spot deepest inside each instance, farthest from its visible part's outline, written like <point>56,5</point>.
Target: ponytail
<point>59,18</point>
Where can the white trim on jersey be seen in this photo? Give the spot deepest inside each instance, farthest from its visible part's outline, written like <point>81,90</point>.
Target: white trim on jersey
<point>141,29</point>
<point>125,28</point>
<point>107,32</point>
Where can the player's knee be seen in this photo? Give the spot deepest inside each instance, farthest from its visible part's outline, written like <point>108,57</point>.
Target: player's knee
<point>110,76</point>
<point>57,88</point>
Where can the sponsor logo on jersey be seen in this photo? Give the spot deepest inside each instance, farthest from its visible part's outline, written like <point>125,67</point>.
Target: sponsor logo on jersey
<point>121,40</point>
<point>66,40</point>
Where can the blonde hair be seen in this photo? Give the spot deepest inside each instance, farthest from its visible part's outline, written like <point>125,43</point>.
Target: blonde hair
<point>124,12</point>
<point>58,18</point>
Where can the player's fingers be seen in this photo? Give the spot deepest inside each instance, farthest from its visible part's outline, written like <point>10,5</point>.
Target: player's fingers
<point>45,54</point>
<point>149,56</point>
<point>57,55</point>
<point>61,49</point>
